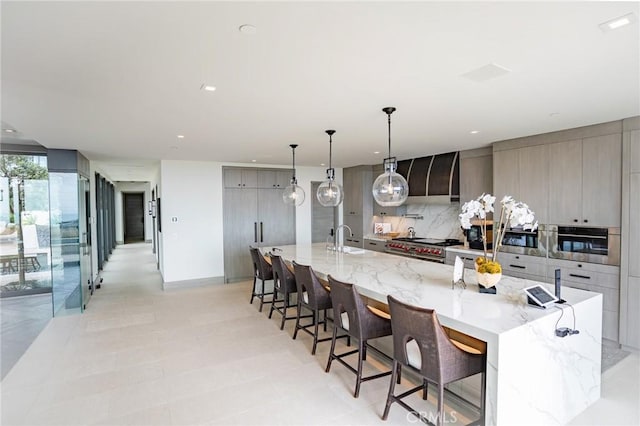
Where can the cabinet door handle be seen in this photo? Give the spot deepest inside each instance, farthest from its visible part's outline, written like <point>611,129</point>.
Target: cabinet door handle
<point>467,258</point>
<point>255,232</point>
<point>261,233</point>
<point>586,221</point>
<point>586,277</point>
<point>373,244</point>
<point>575,220</point>
<point>518,266</point>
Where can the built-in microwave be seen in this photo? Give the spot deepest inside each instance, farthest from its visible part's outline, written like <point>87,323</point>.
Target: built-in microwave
<point>585,244</point>
<point>520,241</point>
<point>474,237</point>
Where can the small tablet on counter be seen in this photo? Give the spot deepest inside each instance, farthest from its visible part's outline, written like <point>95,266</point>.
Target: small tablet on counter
<point>540,296</point>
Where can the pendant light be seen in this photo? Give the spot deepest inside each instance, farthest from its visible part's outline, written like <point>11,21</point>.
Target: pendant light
<point>329,192</point>
<point>293,194</point>
<point>390,188</point>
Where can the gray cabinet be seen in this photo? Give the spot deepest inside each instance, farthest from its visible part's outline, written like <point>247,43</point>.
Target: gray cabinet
<point>240,178</point>
<point>374,245</point>
<point>523,266</point>
<point>252,217</point>
<point>358,201</point>
<point>274,179</point>
<point>585,181</point>
<point>476,173</point>
<point>602,279</point>
<point>630,236</point>
<point>522,173</point>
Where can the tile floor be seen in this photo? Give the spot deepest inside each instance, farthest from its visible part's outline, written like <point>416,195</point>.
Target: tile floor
<point>141,356</point>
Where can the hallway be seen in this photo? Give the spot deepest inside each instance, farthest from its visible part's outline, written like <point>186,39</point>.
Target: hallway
<point>143,356</point>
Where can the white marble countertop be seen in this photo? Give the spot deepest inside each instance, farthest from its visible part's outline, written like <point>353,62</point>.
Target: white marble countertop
<point>428,284</point>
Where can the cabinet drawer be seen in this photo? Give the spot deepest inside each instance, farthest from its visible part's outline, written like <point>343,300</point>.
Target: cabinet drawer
<point>353,242</point>
<point>467,259</point>
<point>610,297</point>
<point>374,245</point>
<point>522,264</point>
<point>586,277</point>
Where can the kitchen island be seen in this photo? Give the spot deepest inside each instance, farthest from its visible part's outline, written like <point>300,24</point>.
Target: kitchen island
<point>533,376</point>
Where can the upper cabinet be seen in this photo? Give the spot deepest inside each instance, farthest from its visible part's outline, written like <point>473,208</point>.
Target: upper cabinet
<point>522,173</point>
<point>240,178</point>
<point>585,181</point>
<point>476,173</point>
<point>570,177</point>
<point>274,179</point>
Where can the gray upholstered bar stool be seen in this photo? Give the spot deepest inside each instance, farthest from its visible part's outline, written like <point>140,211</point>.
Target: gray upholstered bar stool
<point>420,342</point>
<point>284,284</point>
<point>261,271</point>
<point>358,321</point>
<point>313,296</point>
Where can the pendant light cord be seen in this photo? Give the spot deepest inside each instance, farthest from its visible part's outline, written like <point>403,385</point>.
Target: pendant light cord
<point>389,123</point>
<point>293,152</point>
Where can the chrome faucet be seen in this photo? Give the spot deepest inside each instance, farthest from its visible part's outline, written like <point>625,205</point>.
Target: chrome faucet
<point>337,240</point>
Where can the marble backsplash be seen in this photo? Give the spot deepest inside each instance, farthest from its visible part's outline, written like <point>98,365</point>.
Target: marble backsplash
<point>439,221</point>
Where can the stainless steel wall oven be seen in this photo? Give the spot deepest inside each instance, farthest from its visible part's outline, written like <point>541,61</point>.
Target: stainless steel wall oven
<point>585,244</point>
<point>519,241</point>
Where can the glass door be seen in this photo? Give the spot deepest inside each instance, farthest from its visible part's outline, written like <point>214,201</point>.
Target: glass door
<point>84,219</point>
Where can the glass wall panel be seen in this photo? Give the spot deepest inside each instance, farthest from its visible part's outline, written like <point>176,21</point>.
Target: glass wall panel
<point>25,255</point>
<point>65,243</point>
<point>24,226</point>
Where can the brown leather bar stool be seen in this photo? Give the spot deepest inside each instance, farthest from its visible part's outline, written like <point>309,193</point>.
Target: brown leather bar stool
<point>358,321</point>
<point>284,284</point>
<point>261,271</point>
<point>313,296</point>
<point>421,343</point>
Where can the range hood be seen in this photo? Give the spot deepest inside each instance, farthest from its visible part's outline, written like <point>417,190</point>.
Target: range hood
<point>434,179</point>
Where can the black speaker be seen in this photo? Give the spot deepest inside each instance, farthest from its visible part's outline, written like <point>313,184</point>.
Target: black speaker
<point>558,286</point>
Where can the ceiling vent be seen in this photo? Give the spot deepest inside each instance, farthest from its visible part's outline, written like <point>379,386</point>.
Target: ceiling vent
<point>487,72</point>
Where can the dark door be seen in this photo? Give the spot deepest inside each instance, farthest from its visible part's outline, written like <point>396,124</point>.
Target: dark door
<point>133,217</point>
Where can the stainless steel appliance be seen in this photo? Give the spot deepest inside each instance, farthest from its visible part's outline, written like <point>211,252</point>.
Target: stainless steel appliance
<point>421,248</point>
<point>474,237</point>
<point>584,244</point>
<point>519,241</point>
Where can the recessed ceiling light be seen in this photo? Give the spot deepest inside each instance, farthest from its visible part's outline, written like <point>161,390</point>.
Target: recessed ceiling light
<point>253,161</point>
<point>615,23</point>
<point>9,130</point>
<point>473,132</point>
<point>376,152</point>
<point>208,88</point>
<point>247,29</point>
<point>322,164</point>
<point>553,114</point>
<point>180,136</point>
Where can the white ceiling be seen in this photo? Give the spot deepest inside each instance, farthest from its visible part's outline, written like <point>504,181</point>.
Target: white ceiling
<point>119,80</point>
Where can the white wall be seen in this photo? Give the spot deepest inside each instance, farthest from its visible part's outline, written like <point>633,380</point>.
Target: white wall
<point>192,191</point>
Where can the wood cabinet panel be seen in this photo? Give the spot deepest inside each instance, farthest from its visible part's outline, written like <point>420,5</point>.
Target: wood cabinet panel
<point>506,175</point>
<point>633,313</point>
<point>239,232</point>
<point>240,178</point>
<point>634,225</point>
<point>602,180</point>
<point>565,182</point>
<point>534,180</point>
<point>476,177</point>
<point>374,245</point>
<point>276,220</point>
<point>634,151</point>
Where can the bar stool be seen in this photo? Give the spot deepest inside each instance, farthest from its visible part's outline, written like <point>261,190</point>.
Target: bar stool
<point>313,296</point>
<point>284,283</point>
<point>261,271</point>
<point>420,342</point>
<point>358,321</point>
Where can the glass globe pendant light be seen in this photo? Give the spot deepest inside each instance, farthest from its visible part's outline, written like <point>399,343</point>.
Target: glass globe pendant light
<point>390,188</point>
<point>329,192</point>
<point>293,194</point>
